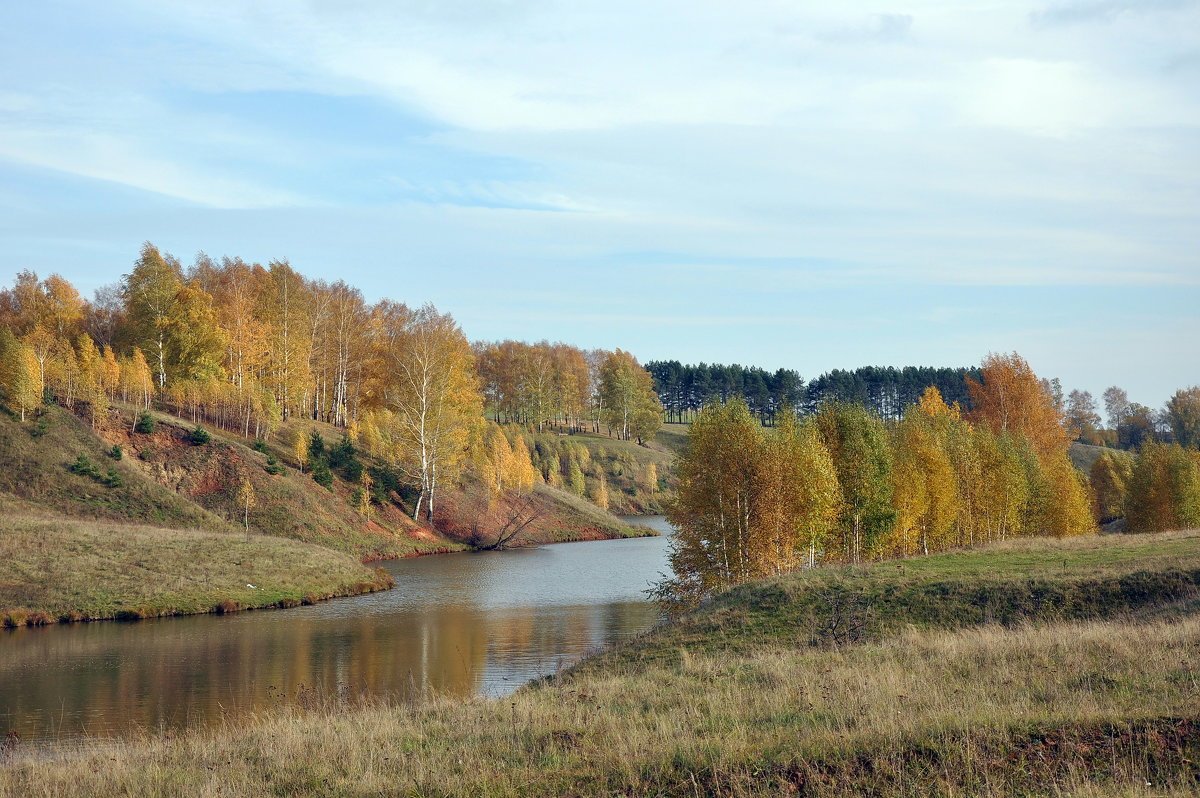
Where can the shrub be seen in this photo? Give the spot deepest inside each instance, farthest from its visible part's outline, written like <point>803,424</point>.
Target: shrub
<point>199,436</point>
<point>40,428</point>
<point>260,446</point>
<point>273,466</point>
<point>145,424</point>
<point>341,454</point>
<point>83,466</point>
<point>112,479</point>
<point>321,473</point>
<point>115,452</point>
<point>316,446</point>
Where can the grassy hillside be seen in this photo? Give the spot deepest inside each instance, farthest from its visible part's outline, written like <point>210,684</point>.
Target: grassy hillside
<point>633,488</point>
<point>929,703</point>
<point>1084,455</point>
<point>59,569</point>
<point>34,465</point>
<point>554,515</point>
<point>287,503</point>
<point>1030,579</point>
<point>167,479</point>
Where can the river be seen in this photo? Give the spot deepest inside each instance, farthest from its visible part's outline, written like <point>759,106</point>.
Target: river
<point>460,624</point>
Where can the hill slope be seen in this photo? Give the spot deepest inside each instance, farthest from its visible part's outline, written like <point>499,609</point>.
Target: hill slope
<point>165,478</point>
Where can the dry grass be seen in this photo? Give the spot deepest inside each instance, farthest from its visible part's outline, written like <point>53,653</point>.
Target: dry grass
<point>726,703</point>
<point>1096,709</point>
<point>66,569</point>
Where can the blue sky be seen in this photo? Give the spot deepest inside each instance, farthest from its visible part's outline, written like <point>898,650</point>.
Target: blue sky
<point>808,185</point>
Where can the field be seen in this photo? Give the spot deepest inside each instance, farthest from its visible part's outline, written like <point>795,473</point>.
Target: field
<point>1098,695</point>
<point>55,569</point>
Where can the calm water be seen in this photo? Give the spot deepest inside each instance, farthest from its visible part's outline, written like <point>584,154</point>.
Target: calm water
<point>458,624</point>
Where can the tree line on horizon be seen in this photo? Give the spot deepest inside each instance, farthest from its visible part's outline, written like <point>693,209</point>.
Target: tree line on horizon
<point>685,389</point>
<point>246,348</point>
<point>888,392</point>
<point>844,484</point>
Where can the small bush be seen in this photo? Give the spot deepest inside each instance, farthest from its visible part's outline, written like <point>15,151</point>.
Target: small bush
<point>321,474</point>
<point>83,465</point>
<point>273,466</point>
<point>199,436</point>
<point>342,453</point>
<point>260,446</point>
<point>40,428</point>
<point>145,424</point>
<point>115,452</point>
<point>316,446</point>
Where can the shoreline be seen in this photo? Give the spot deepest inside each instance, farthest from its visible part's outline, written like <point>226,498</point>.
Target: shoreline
<point>15,618</point>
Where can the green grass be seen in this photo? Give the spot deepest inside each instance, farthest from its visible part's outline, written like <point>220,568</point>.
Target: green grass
<point>1041,579</point>
<point>56,569</point>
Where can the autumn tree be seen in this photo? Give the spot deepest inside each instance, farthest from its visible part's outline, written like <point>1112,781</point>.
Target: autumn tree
<point>1116,405</point>
<point>504,467</point>
<point>923,486</point>
<point>1011,399</point>
<point>284,305</point>
<point>245,501</point>
<point>631,406</point>
<point>1003,490</point>
<point>1164,489</point>
<point>1183,411</point>
<point>1109,477</point>
<point>1083,422</point>
<point>712,515</point>
<point>858,443</point>
<point>20,377</point>
<point>1062,504</point>
<point>428,395</point>
<point>797,499</point>
<point>149,292</point>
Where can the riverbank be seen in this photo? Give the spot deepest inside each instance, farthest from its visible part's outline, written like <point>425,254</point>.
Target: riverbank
<point>55,570</point>
<point>1089,690</point>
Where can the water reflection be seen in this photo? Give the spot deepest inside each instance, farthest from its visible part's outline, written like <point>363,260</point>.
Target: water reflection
<point>458,624</point>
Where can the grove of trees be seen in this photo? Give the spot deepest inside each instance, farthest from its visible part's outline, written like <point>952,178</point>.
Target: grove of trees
<point>887,391</point>
<point>844,485</point>
<point>247,347</point>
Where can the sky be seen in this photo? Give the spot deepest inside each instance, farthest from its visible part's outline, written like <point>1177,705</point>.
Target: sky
<point>782,184</point>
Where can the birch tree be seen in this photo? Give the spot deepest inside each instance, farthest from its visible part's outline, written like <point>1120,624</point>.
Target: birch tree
<point>428,390</point>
